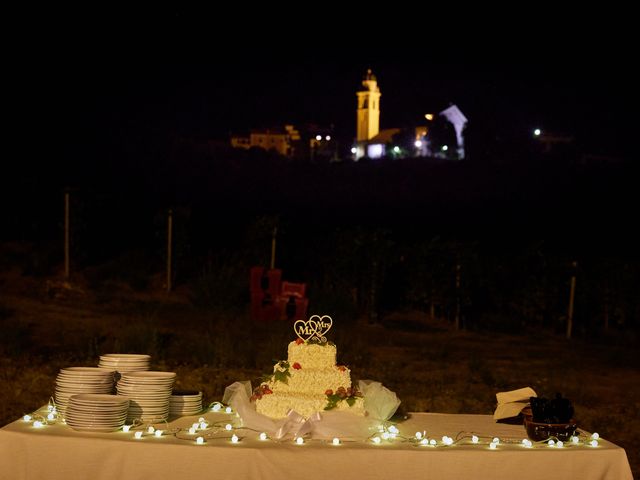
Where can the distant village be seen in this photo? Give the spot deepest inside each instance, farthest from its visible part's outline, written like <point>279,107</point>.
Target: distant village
<point>441,135</point>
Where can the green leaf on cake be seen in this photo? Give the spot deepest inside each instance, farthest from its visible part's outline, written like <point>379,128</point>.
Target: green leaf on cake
<point>332,401</point>
<point>351,401</point>
<point>281,376</point>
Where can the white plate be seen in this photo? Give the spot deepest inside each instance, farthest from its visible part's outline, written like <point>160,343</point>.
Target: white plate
<point>100,399</point>
<point>125,356</point>
<point>75,416</point>
<point>151,374</point>
<point>83,371</point>
<point>97,429</point>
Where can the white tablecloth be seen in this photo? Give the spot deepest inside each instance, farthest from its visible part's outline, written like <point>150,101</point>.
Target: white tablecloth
<point>58,452</point>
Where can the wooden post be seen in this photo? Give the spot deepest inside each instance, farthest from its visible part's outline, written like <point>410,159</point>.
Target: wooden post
<point>273,248</point>
<point>458,296</point>
<point>432,307</point>
<point>373,312</point>
<point>169,247</point>
<point>572,294</point>
<point>606,305</point>
<point>66,236</point>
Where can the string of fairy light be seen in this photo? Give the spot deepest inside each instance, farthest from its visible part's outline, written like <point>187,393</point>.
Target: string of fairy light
<point>203,431</point>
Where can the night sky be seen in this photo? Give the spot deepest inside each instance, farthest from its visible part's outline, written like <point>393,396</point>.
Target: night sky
<point>106,82</point>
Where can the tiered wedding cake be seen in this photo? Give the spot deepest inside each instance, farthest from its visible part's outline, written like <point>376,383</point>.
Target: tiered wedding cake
<point>309,380</point>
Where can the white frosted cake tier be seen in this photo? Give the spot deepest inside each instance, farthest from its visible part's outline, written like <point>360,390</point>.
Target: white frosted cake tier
<point>277,405</point>
<point>312,380</point>
<point>311,355</point>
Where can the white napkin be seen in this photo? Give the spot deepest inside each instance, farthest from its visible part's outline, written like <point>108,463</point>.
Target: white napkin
<point>511,403</point>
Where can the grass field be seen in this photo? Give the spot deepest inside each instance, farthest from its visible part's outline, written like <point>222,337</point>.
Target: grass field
<point>428,364</point>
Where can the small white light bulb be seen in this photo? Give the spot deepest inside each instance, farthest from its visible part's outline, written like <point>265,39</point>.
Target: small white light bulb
<point>474,439</point>
<point>203,425</point>
<point>126,428</point>
<point>336,441</point>
<point>433,442</point>
<point>51,416</point>
<point>299,440</point>
<point>38,424</point>
<point>151,429</point>
<point>327,138</point>
<point>551,443</point>
<point>575,440</point>
<point>385,435</point>
<point>228,427</point>
<point>424,441</point>
<point>418,435</point>
<point>27,418</point>
<point>158,433</point>
<point>560,444</point>
<point>216,407</point>
<point>263,436</point>
<point>138,434</point>
<point>496,440</point>
<point>353,150</point>
<point>201,419</point>
<point>318,137</point>
<point>234,438</point>
<point>493,446</point>
<point>200,440</point>
<point>49,408</point>
<point>394,429</point>
<point>192,431</point>
<point>595,435</point>
<point>593,443</point>
<point>376,440</point>
<point>228,410</point>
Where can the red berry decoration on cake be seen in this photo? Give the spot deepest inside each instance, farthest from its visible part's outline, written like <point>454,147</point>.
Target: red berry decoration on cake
<point>296,366</point>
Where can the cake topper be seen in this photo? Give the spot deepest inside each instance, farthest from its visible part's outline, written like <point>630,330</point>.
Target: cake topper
<point>315,327</point>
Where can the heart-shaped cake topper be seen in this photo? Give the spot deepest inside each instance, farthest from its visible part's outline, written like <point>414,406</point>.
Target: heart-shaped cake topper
<point>316,327</point>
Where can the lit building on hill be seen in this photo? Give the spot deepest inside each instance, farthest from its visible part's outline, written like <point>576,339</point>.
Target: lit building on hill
<point>416,141</point>
<point>308,141</point>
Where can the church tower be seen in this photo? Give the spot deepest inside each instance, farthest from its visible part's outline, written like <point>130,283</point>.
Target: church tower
<point>368,108</point>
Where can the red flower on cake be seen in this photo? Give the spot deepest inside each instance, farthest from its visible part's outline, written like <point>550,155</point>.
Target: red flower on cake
<point>342,368</point>
<point>328,392</point>
<point>296,366</point>
<point>299,341</point>
<point>266,390</point>
<point>341,392</point>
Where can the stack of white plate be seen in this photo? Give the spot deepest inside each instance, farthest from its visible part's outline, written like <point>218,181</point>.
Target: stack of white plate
<point>124,362</point>
<point>96,413</point>
<point>74,380</point>
<point>185,402</point>
<point>148,393</point>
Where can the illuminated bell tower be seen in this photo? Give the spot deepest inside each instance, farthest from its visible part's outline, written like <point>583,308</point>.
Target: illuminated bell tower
<point>368,108</point>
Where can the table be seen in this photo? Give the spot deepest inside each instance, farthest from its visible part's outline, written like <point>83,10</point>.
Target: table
<point>56,451</point>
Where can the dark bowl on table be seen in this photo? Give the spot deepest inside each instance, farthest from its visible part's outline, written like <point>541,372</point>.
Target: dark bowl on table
<point>542,431</point>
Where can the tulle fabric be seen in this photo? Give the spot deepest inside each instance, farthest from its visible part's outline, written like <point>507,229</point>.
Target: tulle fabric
<point>380,404</point>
